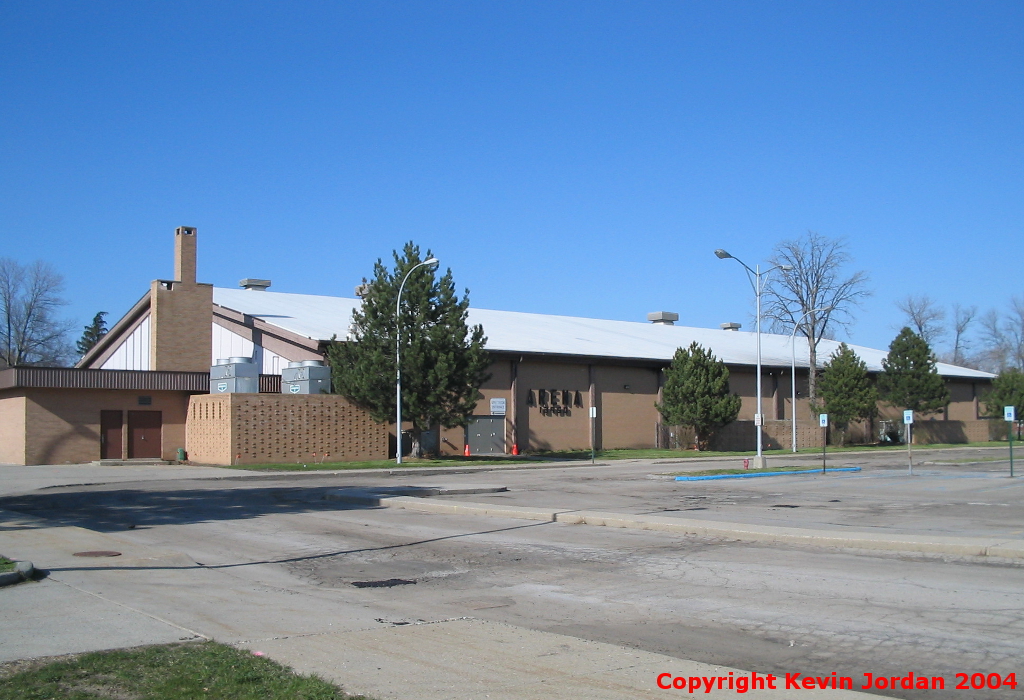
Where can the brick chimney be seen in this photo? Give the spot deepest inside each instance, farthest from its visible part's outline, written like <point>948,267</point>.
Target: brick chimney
<point>181,313</point>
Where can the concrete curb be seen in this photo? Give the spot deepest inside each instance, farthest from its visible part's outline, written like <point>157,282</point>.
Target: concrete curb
<point>927,544</point>
<point>751,475</point>
<point>23,571</point>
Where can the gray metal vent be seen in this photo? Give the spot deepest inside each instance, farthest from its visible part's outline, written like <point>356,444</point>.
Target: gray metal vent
<point>663,318</point>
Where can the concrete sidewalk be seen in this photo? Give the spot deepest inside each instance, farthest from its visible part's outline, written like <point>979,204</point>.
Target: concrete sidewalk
<point>743,532</point>
<point>151,595</point>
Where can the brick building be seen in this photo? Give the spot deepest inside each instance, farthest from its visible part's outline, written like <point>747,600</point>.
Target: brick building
<point>548,373</point>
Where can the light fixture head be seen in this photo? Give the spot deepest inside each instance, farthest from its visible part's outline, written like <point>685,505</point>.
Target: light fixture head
<point>722,254</point>
<point>430,261</point>
<point>786,268</point>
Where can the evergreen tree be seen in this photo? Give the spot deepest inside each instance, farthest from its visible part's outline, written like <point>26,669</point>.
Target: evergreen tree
<point>443,360</point>
<point>696,393</point>
<point>845,389</point>
<point>92,334</point>
<point>909,379</point>
<point>1007,390</point>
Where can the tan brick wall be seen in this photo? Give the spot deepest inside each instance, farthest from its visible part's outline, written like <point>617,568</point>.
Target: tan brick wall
<point>63,425</point>
<point>950,431</point>
<point>12,427</point>
<point>629,418</point>
<point>268,428</point>
<point>208,429</point>
<point>553,432</point>
<point>181,326</point>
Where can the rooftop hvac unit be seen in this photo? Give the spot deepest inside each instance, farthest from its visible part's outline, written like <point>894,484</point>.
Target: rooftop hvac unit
<point>235,375</point>
<point>306,377</point>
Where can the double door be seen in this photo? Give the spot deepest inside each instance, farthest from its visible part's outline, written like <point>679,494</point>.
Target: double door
<point>144,434</point>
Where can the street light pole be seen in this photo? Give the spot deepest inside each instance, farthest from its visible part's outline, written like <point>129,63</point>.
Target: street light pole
<point>792,369</point>
<point>756,278</point>
<point>398,360</point>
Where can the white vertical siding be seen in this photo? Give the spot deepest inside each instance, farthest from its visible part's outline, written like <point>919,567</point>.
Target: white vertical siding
<point>133,352</point>
<point>272,362</point>
<point>227,343</point>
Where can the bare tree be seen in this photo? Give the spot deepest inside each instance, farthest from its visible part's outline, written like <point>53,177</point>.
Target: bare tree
<point>963,318</point>
<point>1003,337</point>
<point>924,317</point>
<point>30,331</point>
<point>816,297</point>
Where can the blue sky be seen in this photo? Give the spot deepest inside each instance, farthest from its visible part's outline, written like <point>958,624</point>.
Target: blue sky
<point>577,158</point>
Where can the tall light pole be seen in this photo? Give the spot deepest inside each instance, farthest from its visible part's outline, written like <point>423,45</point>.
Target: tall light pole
<point>398,360</point>
<point>757,279</point>
<point>792,369</point>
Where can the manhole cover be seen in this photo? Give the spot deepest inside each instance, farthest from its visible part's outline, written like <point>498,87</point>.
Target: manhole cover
<point>386,583</point>
<point>98,553</point>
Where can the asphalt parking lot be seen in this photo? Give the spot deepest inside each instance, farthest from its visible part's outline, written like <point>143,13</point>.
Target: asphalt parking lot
<point>352,591</point>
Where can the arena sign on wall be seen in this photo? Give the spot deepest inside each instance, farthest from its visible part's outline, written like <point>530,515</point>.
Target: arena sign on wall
<point>554,402</point>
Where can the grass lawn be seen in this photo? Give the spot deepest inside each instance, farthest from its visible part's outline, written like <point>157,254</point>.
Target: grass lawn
<point>166,672</point>
<point>573,455</point>
<point>5,564</point>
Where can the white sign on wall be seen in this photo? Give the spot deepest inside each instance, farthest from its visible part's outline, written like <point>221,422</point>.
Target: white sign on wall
<point>908,418</point>
<point>497,407</point>
<point>593,411</point>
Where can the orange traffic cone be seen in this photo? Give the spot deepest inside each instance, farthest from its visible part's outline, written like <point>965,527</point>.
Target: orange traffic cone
<point>515,449</point>
<point>466,453</point>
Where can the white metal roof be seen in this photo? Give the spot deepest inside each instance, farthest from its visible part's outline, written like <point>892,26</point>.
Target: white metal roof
<point>322,317</point>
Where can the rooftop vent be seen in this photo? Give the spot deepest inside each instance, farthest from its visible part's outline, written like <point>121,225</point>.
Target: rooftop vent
<point>254,284</point>
<point>731,326</point>
<point>663,318</point>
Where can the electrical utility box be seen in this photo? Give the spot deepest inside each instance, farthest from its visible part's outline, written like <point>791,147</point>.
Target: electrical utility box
<point>235,375</point>
<point>306,377</point>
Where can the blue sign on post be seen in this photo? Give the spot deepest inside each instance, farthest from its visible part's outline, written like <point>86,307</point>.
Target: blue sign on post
<point>823,420</point>
<point>908,418</point>
<point>1009,413</point>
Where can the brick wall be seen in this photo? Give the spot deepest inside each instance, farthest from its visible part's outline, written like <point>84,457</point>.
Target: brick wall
<point>12,428</point>
<point>268,428</point>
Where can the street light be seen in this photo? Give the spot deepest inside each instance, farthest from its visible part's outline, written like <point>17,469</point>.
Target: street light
<point>757,279</point>
<point>398,359</point>
<point>792,369</point>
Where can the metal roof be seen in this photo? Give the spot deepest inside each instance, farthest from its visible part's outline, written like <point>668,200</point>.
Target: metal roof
<point>322,317</point>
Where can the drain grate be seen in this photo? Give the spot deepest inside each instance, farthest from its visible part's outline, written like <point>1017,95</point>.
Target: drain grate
<point>384,583</point>
<point>98,553</point>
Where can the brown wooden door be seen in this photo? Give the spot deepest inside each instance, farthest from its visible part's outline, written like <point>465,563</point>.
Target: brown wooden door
<point>144,434</point>
<point>111,428</point>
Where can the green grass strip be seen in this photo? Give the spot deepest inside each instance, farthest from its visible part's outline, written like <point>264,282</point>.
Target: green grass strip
<point>167,672</point>
<point>5,564</point>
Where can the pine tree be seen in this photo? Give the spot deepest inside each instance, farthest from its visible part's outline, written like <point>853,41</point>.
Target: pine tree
<point>696,393</point>
<point>846,390</point>
<point>93,333</point>
<point>909,379</point>
<point>443,360</point>
<point>1007,390</point>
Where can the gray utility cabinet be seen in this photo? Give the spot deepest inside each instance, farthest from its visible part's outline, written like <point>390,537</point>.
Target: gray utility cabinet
<point>235,375</point>
<point>306,377</point>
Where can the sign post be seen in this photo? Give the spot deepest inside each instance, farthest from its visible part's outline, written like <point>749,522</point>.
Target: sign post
<point>1010,415</point>
<point>908,420</point>
<point>593,418</point>
<point>823,421</point>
